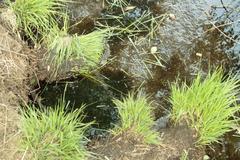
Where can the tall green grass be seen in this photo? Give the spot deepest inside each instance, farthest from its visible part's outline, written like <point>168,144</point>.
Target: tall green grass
<point>207,105</point>
<point>136,118</point>
<point>37,16</point>
<point>49,133</point>
<point>42,17</point>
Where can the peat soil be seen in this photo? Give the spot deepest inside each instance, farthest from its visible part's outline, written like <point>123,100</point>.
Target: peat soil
<point>175,142</point>
<point>198,37</point>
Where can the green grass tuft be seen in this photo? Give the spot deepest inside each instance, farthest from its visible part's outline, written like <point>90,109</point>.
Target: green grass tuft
<point>36,15</point>
<point>207,105</point>
<point>135,115</point>
<point>92,46</point>
<point>49,134</point>
<point>63,47</point>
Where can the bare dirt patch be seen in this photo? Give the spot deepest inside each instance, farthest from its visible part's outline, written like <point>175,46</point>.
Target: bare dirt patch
<point>13,75</point>
<point>175,142</point>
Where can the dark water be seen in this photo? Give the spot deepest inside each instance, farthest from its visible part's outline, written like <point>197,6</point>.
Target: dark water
<point>97,94</point>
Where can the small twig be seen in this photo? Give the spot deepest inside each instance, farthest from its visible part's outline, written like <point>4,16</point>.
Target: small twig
<point>224,33</point>
<point>24,154</point>
<point>5,127</point>
<point>224,6</point>
<point>6,50</point>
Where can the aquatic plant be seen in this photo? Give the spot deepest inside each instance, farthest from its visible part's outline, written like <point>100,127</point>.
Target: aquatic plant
<point>132,24</point>
<point>118,3</point>
<point>51,133</point>
<point>136,118</point>
<point>207,105</point>
<point>36,17</point>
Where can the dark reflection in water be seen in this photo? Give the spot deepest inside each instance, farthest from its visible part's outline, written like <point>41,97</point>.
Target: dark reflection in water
<point>96,95</point>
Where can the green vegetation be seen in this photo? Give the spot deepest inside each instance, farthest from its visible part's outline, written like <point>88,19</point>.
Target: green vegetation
<point>88,49</point>
<point>118,3</point>
<point>136,118</point>
<point>184,155</point>
<point>131,21</point>
<point>207,105</point>
<point>41,18</point>
<point>125,25</point>
<point>49,134</point>
<point>96,41</point>
<point>36,15</point>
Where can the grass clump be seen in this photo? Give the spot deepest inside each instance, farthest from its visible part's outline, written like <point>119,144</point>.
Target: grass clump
<point>207,105</point>
<point>36,16</point>
<point>86,48</point>
<point>136,118</point>
<point>49,133</point>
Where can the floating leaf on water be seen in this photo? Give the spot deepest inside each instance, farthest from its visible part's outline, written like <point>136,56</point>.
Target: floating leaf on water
<point>129,8</point>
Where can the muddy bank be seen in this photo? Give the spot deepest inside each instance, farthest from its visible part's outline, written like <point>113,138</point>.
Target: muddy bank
<point>86,12</point>
<point>14,72</point>
<point>175,142</point>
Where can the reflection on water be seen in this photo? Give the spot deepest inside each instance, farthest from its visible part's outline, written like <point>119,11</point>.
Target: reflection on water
<point>195,20</point>
<point>205,33</point>
<point>96,95</point>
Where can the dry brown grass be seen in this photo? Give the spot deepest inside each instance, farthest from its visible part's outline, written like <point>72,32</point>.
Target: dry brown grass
<point>9,134</point>
<point>9,18</point>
